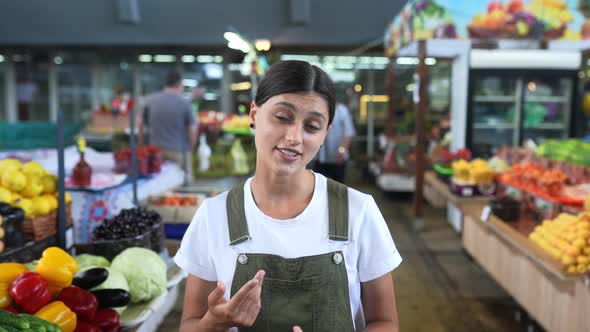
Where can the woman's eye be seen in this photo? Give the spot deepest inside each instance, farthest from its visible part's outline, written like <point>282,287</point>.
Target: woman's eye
<point>282,118</point>
<point>313,127</point>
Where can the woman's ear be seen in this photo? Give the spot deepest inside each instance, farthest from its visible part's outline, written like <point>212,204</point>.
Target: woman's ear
<point>252,115</point>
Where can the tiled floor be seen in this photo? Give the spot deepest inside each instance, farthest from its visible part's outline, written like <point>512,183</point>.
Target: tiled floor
<point>438,286</point>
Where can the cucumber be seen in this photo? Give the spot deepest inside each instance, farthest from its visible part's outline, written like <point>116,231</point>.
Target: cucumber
<point>37,324</point>
<point>12,320</point>
<point>49,327</point>
<point>14,329</point>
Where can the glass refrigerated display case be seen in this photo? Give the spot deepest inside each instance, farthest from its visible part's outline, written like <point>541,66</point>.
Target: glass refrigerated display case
<point>510,107</point>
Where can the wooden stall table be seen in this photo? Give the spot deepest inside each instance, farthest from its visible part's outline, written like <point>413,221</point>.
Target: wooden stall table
<point>557,301</point>
<point>438,194</point>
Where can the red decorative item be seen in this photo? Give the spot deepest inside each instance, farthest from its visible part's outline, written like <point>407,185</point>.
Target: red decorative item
<point>155,160</point>
<point>30,291</point>
<point>82,173</point>
<point>80,301</point>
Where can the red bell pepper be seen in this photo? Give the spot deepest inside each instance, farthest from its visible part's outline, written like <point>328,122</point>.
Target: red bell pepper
<point>80,301</point>
<point>30,291</point>
<point>106,319</point>
<point>10,309</point>
<point>86,327</point>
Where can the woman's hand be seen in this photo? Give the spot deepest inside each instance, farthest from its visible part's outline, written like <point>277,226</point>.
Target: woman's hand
<point>242,309</point>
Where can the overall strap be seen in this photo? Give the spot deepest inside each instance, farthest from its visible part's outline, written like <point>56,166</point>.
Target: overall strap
<point>337,211</point>
<point>236,216</point>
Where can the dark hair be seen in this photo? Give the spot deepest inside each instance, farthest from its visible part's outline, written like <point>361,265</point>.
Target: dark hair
<point>173,78</point>
<point>295,76</point>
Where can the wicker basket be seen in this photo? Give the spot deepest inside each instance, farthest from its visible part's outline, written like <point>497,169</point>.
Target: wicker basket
<point>42,227</point>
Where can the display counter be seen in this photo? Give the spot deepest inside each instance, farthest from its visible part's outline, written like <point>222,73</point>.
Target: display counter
<point>438,194</point>
<point>557,301</point>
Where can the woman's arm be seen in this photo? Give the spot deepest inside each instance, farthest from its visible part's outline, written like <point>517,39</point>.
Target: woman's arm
<point>205,308</point>
<point>378,297</point>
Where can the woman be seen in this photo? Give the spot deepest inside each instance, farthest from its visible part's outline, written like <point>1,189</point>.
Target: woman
<point>289,250</point>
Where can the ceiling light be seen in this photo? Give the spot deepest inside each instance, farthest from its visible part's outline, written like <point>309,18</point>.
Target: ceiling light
<point>164,58</point>
<point>263,45</point>
<point>145,58</point>
<point>188,58</point>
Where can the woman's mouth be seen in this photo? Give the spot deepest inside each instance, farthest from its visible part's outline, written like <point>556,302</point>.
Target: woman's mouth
<point>288,154</point>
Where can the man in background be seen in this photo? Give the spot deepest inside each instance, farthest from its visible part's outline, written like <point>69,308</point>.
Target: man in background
<point>333,154</point>
<point>173,127</point>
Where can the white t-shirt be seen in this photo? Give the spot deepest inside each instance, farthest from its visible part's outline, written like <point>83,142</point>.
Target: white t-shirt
<point>370,252</point>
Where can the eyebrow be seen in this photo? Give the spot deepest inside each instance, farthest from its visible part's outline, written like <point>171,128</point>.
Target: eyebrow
<point>293,107</point>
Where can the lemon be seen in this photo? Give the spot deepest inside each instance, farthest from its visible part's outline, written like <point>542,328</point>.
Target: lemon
<point>573,251</point>
<point>33,168</point>
<point>572,269</point>
<point>41,206</point>
<point>14,180</point>
<point>9,164</point>
<point>49,183</point>
<point>15,197</point>
<point>5,195</point>
<point>52,201</point>
<point>33,187</point>
<point>586,251</point>
<point>27,206</point>
<point>580,243</point>
<point>581,268</point>
<point>583,260</point>
<point>567,259</point>
<point>68,198</point>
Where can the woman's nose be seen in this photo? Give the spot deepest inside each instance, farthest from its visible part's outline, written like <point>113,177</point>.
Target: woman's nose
<point>295,134</point>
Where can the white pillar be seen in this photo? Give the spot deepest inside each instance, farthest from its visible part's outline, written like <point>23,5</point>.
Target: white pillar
<point>95,84</point>
<point>53,93</point>
<point>10,90</point>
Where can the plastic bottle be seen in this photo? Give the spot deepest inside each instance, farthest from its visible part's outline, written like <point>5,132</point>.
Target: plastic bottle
<point>204,154</point>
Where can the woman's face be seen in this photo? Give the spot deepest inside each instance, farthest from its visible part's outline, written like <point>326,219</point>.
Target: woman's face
<point>290,128</point>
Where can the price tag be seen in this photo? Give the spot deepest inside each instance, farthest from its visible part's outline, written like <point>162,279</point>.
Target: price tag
<point>543,205</point>
<point>513,192</point>
<point>468,192</point>
<point>485,213</point>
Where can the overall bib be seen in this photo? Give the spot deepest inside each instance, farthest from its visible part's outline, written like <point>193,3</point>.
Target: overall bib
<point>310,291</point>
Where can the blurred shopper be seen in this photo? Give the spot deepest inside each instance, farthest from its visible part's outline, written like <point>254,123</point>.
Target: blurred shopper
<point>333,155</point>
<point>289,247</point>
<point>172,124</point>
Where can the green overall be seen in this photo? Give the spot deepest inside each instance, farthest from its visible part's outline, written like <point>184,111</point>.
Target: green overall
<point>310,291</point>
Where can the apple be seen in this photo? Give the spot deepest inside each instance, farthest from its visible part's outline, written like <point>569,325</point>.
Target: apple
<point>515,6</point>
<point>495,5</point>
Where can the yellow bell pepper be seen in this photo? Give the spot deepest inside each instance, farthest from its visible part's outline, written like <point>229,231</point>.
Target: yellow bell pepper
<point>59,314</point>
<point>9,272</point>
<point>58,268</point>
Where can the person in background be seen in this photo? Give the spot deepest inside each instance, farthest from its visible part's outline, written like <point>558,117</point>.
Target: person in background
<point>333,154</point>
<point>172,124</point>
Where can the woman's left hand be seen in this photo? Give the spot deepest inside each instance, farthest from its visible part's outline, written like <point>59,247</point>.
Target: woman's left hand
<point>297,329</point>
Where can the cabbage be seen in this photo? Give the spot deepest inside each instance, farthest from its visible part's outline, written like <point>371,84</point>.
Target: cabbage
<point>86,260</point>
<point>145,272</point>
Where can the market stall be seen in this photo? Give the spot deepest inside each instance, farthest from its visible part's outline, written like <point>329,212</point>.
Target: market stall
<point>515,67</point>
<point>92,282</point>
<point>515,82</point>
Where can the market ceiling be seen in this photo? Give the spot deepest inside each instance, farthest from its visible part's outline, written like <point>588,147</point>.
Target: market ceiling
<point>321,24</point>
